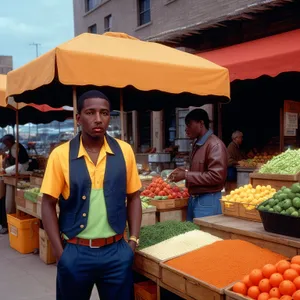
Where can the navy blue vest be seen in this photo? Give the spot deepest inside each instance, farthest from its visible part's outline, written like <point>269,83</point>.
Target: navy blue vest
<point>74,210</point>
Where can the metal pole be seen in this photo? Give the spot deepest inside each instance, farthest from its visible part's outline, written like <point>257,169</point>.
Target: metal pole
<point>17,141</point>
<point>122,114</point>
<point>36,48</point>
<point>74,110</point>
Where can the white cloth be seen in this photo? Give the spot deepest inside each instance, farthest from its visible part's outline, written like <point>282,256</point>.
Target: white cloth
<point>21,169</point>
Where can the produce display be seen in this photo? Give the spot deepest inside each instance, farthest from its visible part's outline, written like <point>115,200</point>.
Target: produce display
<point>257,161</point>
<point>279,281</point>
<point>180,244</point>
<point>161,190</point>
<point>224,262</point>
<point>286,201</point>
<point>287,163</point>
<point>145,177</point>
<point>250,196</point>
<point>145,202</point>
<point>32,194</point>
<point>154,234</point>
<point>23,184</point>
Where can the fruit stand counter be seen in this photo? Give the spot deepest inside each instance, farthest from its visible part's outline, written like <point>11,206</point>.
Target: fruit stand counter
<point>233,228</point>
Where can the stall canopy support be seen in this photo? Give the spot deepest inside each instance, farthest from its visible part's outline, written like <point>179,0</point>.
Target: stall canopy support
<point>122,115</point>
<point>74,110</point>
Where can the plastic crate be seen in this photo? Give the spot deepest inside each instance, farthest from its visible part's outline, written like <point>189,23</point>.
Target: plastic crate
<point>23,233</point>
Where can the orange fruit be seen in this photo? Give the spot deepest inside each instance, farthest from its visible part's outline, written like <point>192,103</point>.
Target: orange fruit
<point>274,292</point>
<point>253,292</point>
<point>296,267</point>
<point>290,274</point>
<point>247,281</point>
<point>263,296</point>
<point>296,295</point>
<point>240,288</point>
<point>296,260</point>
<point>256,276</point>
<point>274,298</point>
<point>286,287</point>
<point>264,285</point>
<point>296,282</point>
<point>286,297</point>
<point>282,266</point>
<point>276,279</point>
<point>268,270</point>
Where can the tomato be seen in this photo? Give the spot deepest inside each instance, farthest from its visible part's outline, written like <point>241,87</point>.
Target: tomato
<point>151,195</point>
<point>170,197</point>
<point>174,195</point>
<point>176,189</point>
<point>161,193</point>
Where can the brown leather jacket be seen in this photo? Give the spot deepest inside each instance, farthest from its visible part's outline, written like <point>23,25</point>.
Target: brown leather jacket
<point>208,165</point>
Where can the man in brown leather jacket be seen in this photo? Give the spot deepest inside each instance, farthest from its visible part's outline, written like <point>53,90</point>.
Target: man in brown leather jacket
<point>207,173</point>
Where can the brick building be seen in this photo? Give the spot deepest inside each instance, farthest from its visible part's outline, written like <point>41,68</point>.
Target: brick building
<point>152,19</point>
<point>6,64</point>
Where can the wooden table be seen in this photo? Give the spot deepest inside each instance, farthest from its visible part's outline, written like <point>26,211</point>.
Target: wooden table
<point>253,232</point>
<point>29,212</point>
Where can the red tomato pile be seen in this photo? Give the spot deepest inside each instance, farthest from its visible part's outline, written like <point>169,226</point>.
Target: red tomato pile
<point>159,187</point>
<point>272,282</point>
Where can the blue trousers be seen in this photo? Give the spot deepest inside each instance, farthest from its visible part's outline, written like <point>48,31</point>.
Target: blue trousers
<point>203,206</point>
<point>109,267</point>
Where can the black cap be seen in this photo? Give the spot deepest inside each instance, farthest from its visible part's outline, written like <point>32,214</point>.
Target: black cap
<point>7,137</point>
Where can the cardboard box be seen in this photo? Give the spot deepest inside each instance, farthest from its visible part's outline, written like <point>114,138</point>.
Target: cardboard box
<point>46,254</point>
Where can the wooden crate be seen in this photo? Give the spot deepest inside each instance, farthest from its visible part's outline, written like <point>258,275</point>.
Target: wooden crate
<point>30,206</point>
<point>189,285</point>
<point>276,181</point>
<point>36,181</point>
<point>147,265</point>
<point>238,210</point>
<point>46,254</point>
<point>170,203</point>
<point>230,208</point>
<point>251,215</point>
<point>149,216</point>
<point>145,291</point>
<point>230,295</point>
<point>20,193</point>
<point>171,214</point>
<point>20,201</point>
<point>39,207</point>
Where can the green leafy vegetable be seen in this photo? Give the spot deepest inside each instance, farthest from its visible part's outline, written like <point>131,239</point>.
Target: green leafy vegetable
<point>154,234</point>
<point>287,163</point>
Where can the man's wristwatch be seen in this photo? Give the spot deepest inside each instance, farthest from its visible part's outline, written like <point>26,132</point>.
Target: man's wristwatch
<point>134,239</point>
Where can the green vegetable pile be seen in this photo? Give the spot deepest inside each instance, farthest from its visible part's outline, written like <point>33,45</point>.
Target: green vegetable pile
<point>154,234</point>
<point>287,163</point>
<point>32,194</point>
<point>145,202</point>
<point>285,202</point>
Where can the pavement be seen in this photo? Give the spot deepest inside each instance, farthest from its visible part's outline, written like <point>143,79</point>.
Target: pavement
<point>25,276</point>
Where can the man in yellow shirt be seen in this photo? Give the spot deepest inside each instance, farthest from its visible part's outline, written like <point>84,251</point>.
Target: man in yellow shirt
<point>92,176</point>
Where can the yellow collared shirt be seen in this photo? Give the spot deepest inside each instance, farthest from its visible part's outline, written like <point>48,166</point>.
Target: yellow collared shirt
<point>56,183</point>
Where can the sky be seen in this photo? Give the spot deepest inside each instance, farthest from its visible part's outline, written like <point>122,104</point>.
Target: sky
<point>23,22</point>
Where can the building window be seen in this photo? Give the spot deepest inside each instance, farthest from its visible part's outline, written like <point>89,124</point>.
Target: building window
<point>91,4</point>
<point>93,28</point>
<point>144,12</point>
<point>107,23</point>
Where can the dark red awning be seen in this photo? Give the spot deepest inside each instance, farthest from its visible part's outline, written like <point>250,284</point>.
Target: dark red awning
<point>267,56</point>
